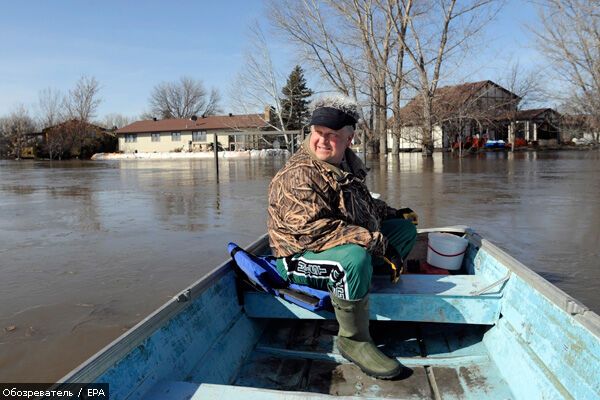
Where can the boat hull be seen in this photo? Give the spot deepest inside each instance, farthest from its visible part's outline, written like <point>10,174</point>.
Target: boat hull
<point>530,340</point>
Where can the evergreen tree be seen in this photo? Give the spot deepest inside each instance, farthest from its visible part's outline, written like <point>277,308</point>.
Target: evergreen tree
<point>294,104</point>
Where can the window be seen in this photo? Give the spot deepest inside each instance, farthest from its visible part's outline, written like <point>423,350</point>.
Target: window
<point>131,138</point>
<point>156,137</point>
<point>175,136</point>
<point>199,136</point>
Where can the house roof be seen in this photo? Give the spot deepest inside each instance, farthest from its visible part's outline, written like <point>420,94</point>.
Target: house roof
<point>73,121</point>
<point>463,92</point>
<point>448,99</point>
<point>221,122</point>
<point>533,113</point>
<point>525,115</point>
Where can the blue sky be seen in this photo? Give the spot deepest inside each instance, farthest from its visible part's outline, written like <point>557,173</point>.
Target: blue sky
<point>131,46</point>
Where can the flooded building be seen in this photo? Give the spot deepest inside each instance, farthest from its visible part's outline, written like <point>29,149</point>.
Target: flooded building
<point>233,132</point>
<point>474,113</point>
<point>69,139</point>
<point>540,126</point>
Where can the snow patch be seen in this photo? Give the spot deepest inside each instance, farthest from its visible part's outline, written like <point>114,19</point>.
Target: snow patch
<point>192,156</point>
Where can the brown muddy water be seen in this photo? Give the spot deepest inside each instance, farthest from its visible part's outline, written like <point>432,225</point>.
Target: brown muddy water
<point>88,249</point>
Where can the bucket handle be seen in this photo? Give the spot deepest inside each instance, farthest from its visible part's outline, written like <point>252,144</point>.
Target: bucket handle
<point>446,255</point>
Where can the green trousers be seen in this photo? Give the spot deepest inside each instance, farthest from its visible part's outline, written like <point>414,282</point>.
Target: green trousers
<point>345,270</point>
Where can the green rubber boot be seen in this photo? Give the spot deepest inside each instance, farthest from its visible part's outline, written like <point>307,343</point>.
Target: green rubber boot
<point>354,340</point>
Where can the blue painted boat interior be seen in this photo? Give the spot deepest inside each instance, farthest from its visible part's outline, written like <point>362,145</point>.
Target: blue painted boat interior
<point>492,330</point>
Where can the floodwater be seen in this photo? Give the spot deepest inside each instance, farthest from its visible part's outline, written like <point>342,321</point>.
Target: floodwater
<point>88,249</point>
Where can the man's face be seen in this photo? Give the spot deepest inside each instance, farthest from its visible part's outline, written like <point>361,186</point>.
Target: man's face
<point>329,145</point>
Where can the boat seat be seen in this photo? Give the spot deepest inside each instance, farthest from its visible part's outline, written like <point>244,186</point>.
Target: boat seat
<point>174,390</point>
<point>421,298</point>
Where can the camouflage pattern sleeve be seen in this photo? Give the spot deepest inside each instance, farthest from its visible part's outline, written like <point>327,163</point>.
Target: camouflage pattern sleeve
<point>303,216</point>
<point>383,210</point>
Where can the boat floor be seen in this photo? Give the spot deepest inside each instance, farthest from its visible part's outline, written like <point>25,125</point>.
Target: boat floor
<point>443,361</point>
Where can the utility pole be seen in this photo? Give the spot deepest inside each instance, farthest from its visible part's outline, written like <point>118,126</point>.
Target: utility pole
<point>216,148</point>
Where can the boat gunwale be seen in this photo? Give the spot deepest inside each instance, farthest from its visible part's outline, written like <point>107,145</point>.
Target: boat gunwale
<point>573,307</point>
<point>567,303</point>
<point>103,359</point>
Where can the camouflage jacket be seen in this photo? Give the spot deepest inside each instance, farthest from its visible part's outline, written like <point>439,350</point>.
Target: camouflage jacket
<point>314,205</point>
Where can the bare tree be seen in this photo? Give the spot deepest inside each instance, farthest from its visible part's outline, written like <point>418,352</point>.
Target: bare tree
<point>116,120</point>
<point>360,47</point>
<point>442,30</point>
<point>372,22</point>
<point>14,129</point>
<point>323,39</point>
<point>329,41</point>
<point>569,37</point>
<point>50,105</point>
<point>399,13</point>
<point>83,100</point>
<point>183,99</point>
<point>258,85</point>
<point>354,45</point>
<point>527,86</point>
<point>58,142</point>
<point>4,140</point>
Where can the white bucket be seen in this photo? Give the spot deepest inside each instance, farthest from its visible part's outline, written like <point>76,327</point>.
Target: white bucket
<point>446,250</point>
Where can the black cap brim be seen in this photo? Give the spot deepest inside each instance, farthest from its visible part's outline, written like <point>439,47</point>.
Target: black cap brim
<point>332,118</point>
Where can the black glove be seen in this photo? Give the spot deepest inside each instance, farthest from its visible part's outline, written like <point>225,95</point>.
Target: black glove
<point>407,213</point>
<point>395,262</point>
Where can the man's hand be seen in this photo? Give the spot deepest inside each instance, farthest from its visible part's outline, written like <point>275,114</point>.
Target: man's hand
<point>407,213</point>
<point>395,262</point>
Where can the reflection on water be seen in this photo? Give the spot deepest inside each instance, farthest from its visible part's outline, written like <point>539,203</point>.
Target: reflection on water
<point>541,207</point>
<point>87,249</point>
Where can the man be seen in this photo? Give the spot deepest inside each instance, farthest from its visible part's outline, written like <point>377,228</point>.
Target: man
<point>327,230</point>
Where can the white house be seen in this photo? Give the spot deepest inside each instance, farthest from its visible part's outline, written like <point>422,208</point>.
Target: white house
<point>193,134</point>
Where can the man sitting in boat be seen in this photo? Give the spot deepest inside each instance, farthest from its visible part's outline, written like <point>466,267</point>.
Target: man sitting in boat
<point>328,232</point>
